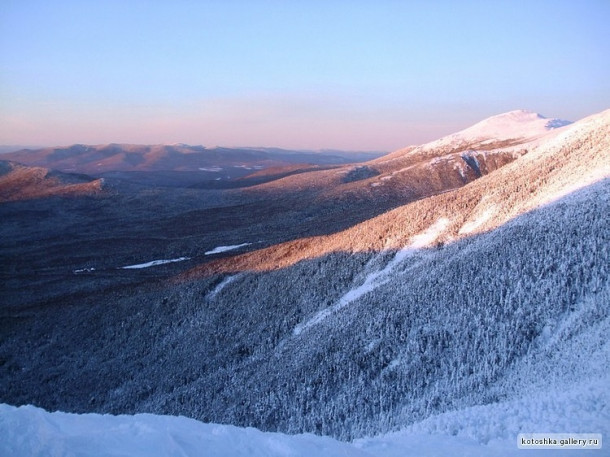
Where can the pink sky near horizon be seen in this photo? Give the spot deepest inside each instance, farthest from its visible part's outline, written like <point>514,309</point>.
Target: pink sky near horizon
<point>334,74</point>
<point>291,123</point>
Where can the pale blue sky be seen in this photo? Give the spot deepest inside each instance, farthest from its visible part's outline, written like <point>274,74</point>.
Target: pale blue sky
<point>312,74</point>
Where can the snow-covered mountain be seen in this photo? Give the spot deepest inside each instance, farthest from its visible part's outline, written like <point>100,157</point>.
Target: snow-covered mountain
<point>571,158</point>
<point>439,166</point>
<point>473,310</point>
<point>521,125</point>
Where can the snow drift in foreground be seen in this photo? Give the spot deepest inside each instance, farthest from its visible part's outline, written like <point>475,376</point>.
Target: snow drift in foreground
<point>490,430</point>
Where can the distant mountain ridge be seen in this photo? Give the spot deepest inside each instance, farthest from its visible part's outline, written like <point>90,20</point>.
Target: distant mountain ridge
<point>405,174</point>
<point>96,159</point>
<point>18,182</point>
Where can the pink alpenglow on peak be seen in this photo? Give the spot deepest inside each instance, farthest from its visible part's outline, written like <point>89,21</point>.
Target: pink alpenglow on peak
<point>518,124</point>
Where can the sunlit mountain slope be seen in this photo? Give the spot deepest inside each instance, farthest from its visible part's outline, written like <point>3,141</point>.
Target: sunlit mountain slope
<point>468,298</point>
<point>18,182</point>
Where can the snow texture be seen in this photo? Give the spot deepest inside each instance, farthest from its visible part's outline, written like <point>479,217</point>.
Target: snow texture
<point>475,431</point>
<point>479,221</point>
<point>154,263</point>
<point>30,431</point>
<point>220,249</point>
<point>519,124</point>
<point>224,283</point>
<point>493,429</point>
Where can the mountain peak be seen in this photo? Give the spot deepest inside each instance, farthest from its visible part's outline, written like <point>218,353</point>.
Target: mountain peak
<point>518,124</point>
<point>520,113</point>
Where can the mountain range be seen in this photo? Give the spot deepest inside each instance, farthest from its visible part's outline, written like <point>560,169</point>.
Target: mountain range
<point>343,299</point>
<point>176,164</point>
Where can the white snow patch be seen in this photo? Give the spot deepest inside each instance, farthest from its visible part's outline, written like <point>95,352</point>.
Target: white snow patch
<point>372,345</point>
<point>154,263</point>
<point>394,364</point>
<point>83,270</point>
<point>428,236</point>
<point>219,249</point>
<point>460,170</point>
<point>402,170</point>
<point>212,169</point>
<point>377,278</point>
<point>437,160</point>
<point>472,226</point>
<point>224,283</point>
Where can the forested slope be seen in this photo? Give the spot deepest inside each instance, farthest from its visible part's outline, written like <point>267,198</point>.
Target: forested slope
<point>465,298</point>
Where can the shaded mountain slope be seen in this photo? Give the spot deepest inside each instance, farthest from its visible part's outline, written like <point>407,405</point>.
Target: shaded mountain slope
<point>440,329</point>
<point>465,298</point>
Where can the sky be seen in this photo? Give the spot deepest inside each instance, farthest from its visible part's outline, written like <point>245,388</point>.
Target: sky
<point>352,75</point>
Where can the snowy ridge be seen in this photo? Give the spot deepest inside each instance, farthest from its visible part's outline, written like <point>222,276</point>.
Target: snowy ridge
<point>576,171</point>
<point>503,132</point>
<point>470,153</point>
<point>513,125</point>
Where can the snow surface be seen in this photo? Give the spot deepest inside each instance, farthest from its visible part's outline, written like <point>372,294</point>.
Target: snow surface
<point>224,283</point>
<point>153,263</point>
<point>492,430</point>
<point>30,431</point>
<point>219,249</point>
<point>513,124</point>
<point>519,124</point>
<point>478,431</point>
<point>473,225</point>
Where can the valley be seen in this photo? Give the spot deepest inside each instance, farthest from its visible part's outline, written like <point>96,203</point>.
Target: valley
<point>342,299</point>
